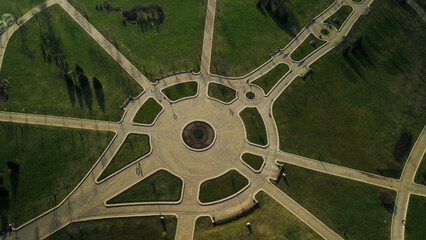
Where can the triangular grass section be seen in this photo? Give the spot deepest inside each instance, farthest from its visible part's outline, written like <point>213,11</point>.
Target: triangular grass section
<point>421,172</point>
<point>269,220</point>
<point>46,164</point>
<point>339,17</point>
<point>348,207</point>
<point>222,186</point>
<point>268,81</point>
<point>156,50</point>
<point>148,112</point>
<point>18,8</point>
<point>222,92</point>
<point>254,161</point>
<point>54,67</point>
<point>255,128</point>
<point>308,45</point>
<point>181,90</point>
<point>245,32</point>
<point>416,215</point>
<point>161,186</point>
<point>134,147</point>
<point>128,228</point>
<point>359,98</point>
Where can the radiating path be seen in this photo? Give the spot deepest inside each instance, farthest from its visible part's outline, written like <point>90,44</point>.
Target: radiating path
<point>56,121</point>
<point>88,200</point>
<point>208,37</point>
<point>407,177</point>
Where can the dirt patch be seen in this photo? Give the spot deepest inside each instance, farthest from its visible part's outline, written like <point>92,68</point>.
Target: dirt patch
<point>4,96</point>
<point>150,15</point>
<point>198,135</point>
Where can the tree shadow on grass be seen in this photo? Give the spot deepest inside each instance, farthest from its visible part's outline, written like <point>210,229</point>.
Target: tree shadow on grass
<point>226,31</point>
<point>87,90</point>
<point>286,20</point>
<point>4,206</point>
<point>389,207</point>
<point>352,63</point>
<point>359,52</point>
<point>14,176</point>
<point>99,91</point>
<point>71,89</point>
<point>79,93</point>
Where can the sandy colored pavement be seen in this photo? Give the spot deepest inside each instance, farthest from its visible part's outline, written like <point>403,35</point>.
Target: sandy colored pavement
<point>88,200</point>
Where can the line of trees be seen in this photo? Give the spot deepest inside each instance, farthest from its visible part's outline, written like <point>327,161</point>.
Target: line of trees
<point>275,8</point>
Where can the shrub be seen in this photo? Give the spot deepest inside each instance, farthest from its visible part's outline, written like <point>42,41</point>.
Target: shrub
<point>403,145</point>
<point>385,196</point>
<point>389,168</point>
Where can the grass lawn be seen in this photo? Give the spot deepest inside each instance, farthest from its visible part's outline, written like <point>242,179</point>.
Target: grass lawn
<point>222,92</point>
<point>51,162</point>
<point>340,16</point>
<point>172,45</point>
<point>358,99</point>
<point>120,228</point>
<point>324,31</point>
<point>421,172</point>
<point>18,8</point>
<point>86,83</point>
<point>343,205</point>
<point>268,81</point>
<point>416,214</point>
<point>134,147</point>
<point>148,112</point>
<point>222,187</point>
<point>270,221</point>
<point>306,48</point>
<point>255,128</point>
<point>181,90</point>
<point>421,3</point>
<point>244,35</point>
<point>252,160</point>
<point>167,186</point>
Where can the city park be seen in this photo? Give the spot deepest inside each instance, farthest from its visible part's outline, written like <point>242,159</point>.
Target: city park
<point>182,121</point>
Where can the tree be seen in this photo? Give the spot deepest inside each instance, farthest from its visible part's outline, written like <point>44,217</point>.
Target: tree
<point>385,196</point>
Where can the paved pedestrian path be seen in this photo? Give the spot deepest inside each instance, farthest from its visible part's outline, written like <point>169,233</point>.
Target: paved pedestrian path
<point>88,200</point>
<point>56,121</point>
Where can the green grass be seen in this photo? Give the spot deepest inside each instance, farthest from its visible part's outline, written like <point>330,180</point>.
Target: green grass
<point>252,160</point>
<point>268,81</point>
<point>324,31</point>
<point>167,186</point>
<point>416,215</point>
<point>36,85</point>
<point>344,205</point>
<point>244,36</point>
<point>306,48</point>
<point>255,128</point>
<point>52,161</point>
<point>222,187</point>
<point>134,147</point>
<point>351,109</point>
<point>270,221</point>
<point>341,16</point>
<point>120,228</point>
<point>18,8</point>
<point>173,45</point>
<point>421,3</point>
<point>148,112</point>
<point>222,92</point>
<point>421,172</point>
<point>181,90</point>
